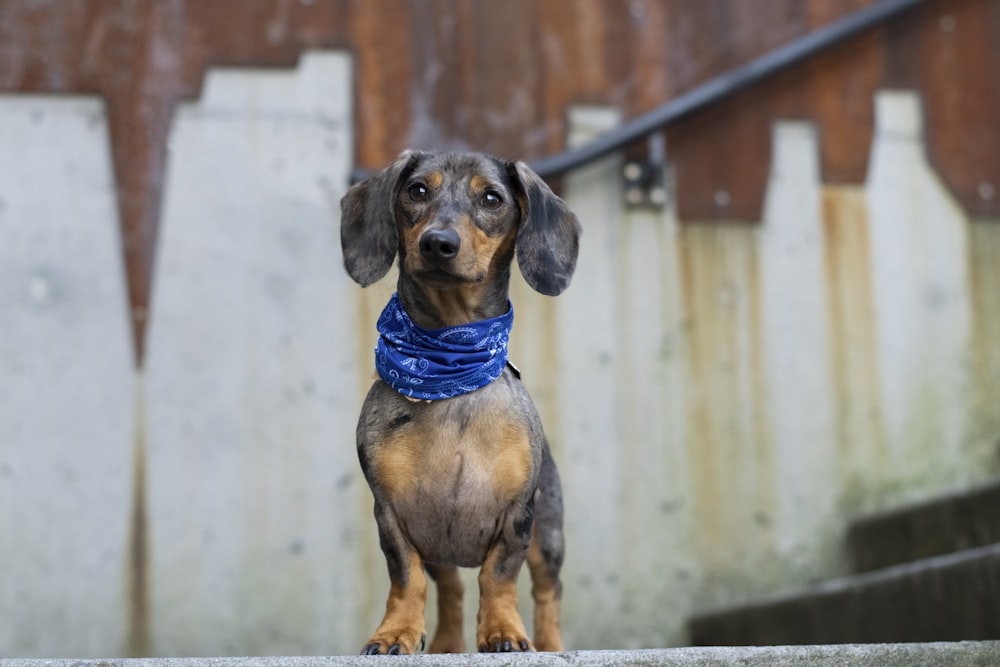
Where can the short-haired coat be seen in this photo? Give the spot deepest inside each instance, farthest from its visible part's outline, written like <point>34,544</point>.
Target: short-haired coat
<point>466,481</point>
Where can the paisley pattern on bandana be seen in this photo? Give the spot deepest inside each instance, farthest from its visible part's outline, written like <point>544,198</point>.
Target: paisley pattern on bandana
<point>433,364</point>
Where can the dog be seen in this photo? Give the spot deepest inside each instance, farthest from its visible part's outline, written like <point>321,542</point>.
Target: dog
<point>448,438</point>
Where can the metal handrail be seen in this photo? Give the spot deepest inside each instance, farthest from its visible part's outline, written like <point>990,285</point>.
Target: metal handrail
<point>718,88</point>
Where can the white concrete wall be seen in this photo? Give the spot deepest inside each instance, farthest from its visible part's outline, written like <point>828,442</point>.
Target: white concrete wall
<point>256,511</point>
<point>724,397</point>
<point>66,383</point>
<point>721,398</point>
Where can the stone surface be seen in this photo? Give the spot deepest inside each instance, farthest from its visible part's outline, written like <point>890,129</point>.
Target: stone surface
<point>908,655</point>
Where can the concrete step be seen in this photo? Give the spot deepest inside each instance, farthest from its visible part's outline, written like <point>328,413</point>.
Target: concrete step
<point>885,655</point>
<point>945,598</point>
<point>942,525</point>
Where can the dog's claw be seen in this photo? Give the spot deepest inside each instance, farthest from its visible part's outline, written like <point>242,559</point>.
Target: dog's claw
<point>393,650</point>
<point>423,641</point>
<point>371,649</point>
<point>506,646</point>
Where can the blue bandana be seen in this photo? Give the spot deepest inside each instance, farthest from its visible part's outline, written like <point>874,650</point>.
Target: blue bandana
<point>431,364</point>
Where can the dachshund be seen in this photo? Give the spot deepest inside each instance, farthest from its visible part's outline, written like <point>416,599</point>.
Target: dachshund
<point>458,465</point>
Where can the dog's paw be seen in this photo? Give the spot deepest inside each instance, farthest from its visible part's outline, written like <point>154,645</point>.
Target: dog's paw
<point>503,638</point>
<point>401,643</point>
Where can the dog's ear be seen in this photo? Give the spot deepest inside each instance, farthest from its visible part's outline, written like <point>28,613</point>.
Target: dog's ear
<point>548,240</point>
<point>368,234</point>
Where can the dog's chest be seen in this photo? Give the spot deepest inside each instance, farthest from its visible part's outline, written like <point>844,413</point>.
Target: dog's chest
<point>451,473</point>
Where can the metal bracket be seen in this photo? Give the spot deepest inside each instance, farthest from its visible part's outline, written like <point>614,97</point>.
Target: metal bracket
<point>645,181</point>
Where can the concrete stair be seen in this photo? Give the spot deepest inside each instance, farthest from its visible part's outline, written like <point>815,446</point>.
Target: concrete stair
<point>886,655</point>
<point>929,572</point>
<point>941,526</point>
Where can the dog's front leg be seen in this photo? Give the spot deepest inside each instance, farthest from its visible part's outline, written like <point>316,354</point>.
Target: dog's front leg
<point>402,630</point>
<point>499,625</point>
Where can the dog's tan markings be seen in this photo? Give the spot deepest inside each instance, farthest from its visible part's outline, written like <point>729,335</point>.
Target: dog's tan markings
<point>478,185</point>
<point>496,445</point>
<point>509,455</point>
<point>434,179</point>
<point>458,305</point>
<point>448,637</point>
<point>402,629</point>
<point>396,462</point>
<point>490,250</point>
<point>545,591</point>
<point>498,625</point>
<point>411,241</point>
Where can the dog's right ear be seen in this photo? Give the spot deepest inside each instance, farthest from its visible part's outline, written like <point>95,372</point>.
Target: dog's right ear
<point>368,234</point>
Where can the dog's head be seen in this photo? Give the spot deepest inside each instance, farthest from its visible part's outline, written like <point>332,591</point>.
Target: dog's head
<point>458,218</point>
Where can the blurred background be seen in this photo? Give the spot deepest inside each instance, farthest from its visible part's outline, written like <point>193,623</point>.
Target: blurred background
<point>778,365</point>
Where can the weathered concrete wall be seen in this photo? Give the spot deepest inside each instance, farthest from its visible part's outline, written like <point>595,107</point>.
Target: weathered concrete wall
<point>252,491</point>
<point>751,389</point>
<point>721,398</point>
<point>66,384</point>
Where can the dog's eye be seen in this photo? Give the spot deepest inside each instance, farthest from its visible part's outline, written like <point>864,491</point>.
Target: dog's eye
<point>491,200</point>
<point>418,192</point>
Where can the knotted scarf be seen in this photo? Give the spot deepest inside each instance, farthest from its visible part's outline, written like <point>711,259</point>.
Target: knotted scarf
<point>431,364</point>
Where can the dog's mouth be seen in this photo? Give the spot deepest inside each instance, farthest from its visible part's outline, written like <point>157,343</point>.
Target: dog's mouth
<point>442,276</point>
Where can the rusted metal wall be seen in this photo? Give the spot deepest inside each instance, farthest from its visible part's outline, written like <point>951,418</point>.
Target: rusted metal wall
<point>499,77</point>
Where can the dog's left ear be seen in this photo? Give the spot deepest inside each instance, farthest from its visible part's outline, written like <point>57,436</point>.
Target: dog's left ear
<point>368,234</point>
<point>548,240</point>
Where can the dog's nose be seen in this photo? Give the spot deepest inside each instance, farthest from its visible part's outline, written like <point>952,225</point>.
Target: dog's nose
<point>439,244</point>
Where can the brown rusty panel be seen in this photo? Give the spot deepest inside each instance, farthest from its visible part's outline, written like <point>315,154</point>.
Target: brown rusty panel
<point>959,56</point>
<point>592,52</point>
<point>705,39</point>
<point>573,43</point>
<point>721,161</point>
<point>260,33</point>
<point>622,29</point>
<point>839,90</point>
<point>479,89</point>
<point>646,71</point>
<point>384,78</point>
<point>821,13</point>
<point>506,114</point>
<point>951,55</point>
